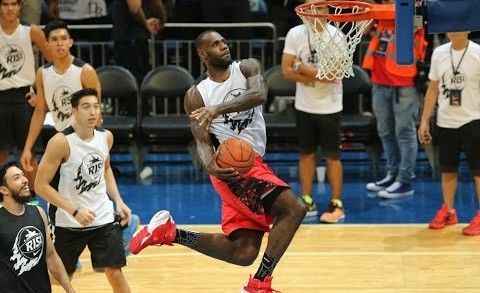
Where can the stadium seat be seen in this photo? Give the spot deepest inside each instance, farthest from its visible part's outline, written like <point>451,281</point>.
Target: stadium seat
<point>164,124</point>
<point>120,86</point>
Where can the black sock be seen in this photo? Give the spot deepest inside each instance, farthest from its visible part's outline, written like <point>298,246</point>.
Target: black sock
<point>266,267</point>
<point>187,238</point>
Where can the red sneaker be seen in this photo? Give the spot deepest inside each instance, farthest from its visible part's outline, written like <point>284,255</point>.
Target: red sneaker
<point>161,230</point>
<point>257,286</point>
<point>473,228</point>
<point>443,217</point>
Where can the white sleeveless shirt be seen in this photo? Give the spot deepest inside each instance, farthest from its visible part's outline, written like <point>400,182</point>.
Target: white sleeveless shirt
<point>17,66</point>
<point>82,179</point>
<point>248,125</point>
<point>58,89</point>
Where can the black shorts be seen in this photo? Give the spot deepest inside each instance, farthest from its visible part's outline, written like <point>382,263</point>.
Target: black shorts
<point>16,114</point>
<point>450,143</point>
<point>319,129</point>
<point>105,244</point>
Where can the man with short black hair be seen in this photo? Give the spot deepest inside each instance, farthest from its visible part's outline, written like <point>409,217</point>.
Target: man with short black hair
<point>84,213</point>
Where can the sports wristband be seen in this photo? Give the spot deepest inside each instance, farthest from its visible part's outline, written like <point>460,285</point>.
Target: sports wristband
<point>75,213</point>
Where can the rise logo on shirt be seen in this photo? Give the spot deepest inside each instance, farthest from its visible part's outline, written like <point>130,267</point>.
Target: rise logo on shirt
<point>12,59</point>
<point>27,249</point>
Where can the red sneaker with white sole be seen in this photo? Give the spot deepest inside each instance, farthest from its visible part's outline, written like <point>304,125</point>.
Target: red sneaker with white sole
<point>161,230</point>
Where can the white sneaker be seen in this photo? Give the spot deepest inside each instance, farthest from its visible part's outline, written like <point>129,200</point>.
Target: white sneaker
<point>397,190</point>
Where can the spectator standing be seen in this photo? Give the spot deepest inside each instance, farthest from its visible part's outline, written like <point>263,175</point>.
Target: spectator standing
<point>134,23</point>
<point>455,87</point>
<point>31,11</point>
<point>395,102</point>
<point>318,105</point>
<point>83,12</point>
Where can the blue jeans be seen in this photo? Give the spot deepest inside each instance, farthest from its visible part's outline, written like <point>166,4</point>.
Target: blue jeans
<point>396,110</point>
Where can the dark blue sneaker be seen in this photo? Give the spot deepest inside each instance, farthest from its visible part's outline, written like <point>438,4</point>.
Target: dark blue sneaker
<point>397,190</point>
<point>382,184</point>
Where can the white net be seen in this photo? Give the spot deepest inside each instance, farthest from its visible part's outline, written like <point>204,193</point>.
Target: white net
<point>334,41</point>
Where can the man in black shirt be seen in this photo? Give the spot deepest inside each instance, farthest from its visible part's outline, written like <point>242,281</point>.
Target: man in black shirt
<point>27,253</point>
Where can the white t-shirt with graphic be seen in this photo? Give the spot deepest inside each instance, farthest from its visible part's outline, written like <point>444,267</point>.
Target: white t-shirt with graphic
<point>318,97</point>
<point>464,86</point>
<point>248,125</point>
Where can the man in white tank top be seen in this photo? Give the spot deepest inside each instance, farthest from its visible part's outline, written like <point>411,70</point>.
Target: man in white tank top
<point>17,74</point>
<point>56,81</point>
<point>84,214</point>
<point>228,103</point>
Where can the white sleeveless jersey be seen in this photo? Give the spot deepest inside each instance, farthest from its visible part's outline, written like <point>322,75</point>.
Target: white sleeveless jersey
<point>17,66</point>
<point>58,89</point>
<point>82,179</point>
<point>248,125</point>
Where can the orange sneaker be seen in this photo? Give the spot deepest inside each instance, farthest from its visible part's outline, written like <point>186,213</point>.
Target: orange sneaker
<point>334,214</point>
<point>473,229</point>
<point>257,286</point>
<point>443,217</point>
<point>161,230</point>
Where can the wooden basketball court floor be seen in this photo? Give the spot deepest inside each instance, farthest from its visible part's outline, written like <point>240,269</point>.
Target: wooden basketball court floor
<point>373,258</point>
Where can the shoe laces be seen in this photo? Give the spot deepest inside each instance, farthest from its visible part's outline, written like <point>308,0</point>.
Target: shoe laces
<point>384,180</point>
<point>442,215</point>
<point>395,185</point>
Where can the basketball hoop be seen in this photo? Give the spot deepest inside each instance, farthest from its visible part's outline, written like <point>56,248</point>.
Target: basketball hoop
<point>335,32</point>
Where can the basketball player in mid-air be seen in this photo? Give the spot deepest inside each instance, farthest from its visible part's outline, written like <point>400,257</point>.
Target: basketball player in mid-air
<point>228,103</point>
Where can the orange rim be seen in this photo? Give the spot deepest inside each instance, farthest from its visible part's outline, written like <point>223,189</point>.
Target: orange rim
<point>367,11</point>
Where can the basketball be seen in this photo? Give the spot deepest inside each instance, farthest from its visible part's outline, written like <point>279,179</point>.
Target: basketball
<point>236,153</point>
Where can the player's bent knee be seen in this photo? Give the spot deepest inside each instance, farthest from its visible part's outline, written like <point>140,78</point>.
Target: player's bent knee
<point>248,256</point>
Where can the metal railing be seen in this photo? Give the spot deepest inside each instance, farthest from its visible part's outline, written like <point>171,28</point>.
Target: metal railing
<point>169,47</point>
